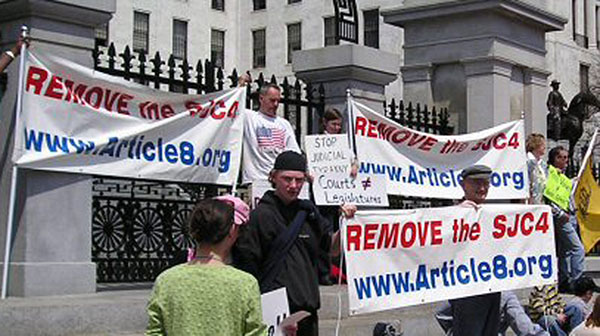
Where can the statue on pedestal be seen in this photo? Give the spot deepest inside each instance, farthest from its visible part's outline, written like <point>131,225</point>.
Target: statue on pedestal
<point>556,109</point>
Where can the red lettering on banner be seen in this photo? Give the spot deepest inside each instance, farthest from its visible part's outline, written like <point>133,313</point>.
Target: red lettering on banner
<point>542,223</point>
<point>110,100</point>
<point>166,111</point>
<point>54,88</point>
<point>380,130</point>
<point>67,90</point>
<point>232,113</point>
<point>463,231</point>
<point>75,95</point>
<point>499,226</point>
<point>407,240</point>
<point>360,126</point>
<point>388,238</point>
<point>353,233</point>
<point>436,232</point>
<point>370,231</point>
<point>386,235</point>
<point>498,142</point>
<point>123,103</point>
<point>36,78</point>
<point>514,141</point>
<point>523,224</point>
<point>216,110</point>
<point>372,130</point>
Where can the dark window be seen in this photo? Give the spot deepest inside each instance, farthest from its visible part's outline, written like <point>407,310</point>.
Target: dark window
<point>179,39</point>
<point>102,35</point>
<point>217,47</point>
<point>294,34</point>
<point>584,77</point>
<point>574,17</point>
<point>218,4</point>
<point>597,28</point>
<point>371,36</point>
<point>294,1</point>
<point>259,53</point>
<point>329,24</point>
<point>141,26</point>
<point>259,4</point>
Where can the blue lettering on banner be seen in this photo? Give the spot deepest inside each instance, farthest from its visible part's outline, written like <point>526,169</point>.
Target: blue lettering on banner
<point>434,178</point>
<point>135,148</point>
<point>449,275</point>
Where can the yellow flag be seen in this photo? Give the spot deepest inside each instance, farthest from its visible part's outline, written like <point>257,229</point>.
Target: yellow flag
<point>587,202</point>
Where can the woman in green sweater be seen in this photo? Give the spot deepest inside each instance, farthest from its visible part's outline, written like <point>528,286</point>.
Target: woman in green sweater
<point>205,296</point>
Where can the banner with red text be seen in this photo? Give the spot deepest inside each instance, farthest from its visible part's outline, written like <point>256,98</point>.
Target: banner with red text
<point>78,120</point>
<point>400,258</point>
<point>427,165</point>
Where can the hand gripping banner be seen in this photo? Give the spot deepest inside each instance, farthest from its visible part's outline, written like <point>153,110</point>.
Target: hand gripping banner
<point>427,165</point>
<point>402,258</point>
<point>77,120</point>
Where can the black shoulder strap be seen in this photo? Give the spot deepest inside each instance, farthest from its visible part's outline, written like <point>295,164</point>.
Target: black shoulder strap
<point>279,251</point>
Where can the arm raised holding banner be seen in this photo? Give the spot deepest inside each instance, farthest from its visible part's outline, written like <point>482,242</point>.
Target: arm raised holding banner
<point>9,55</point>
<point>476,315</point>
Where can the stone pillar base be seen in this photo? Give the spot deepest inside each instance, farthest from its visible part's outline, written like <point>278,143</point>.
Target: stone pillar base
<point>362,70</point>
<point>48,278</point>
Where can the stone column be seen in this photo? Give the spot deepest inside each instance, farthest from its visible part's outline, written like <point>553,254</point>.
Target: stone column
<point>362,70</point>
<point>534,102</point>
<point>471,55</point>
<point>484,109</point>
<point>578,17</point>
<point>51,252</point>
<point>590,17</point>
<point>417,82</point>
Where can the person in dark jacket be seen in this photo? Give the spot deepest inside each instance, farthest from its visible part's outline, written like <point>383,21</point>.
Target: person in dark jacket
<point>477,315</point>
<point>281,242</point>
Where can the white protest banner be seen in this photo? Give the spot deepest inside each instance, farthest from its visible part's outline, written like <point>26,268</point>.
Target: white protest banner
<point>400,258</point>
<point>275,309</point>
<point>78,120</point>
<point>422,165</point>
<point>329,161</point>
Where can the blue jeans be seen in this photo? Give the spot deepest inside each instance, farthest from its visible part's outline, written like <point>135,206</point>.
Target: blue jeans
<point>550,324</point>
<point>570,251</point>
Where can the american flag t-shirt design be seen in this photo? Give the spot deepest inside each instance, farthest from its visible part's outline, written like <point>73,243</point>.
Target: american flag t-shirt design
<point>270,137</point>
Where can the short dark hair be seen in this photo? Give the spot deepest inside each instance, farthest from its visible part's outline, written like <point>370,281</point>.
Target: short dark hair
<point>265,88</point>
<point>210,221</point>
<point>554,153</point>
<point>583,285</point>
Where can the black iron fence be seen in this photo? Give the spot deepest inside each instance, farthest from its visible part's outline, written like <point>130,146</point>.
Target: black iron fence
<point>420,118</point>
<point>139,226</point>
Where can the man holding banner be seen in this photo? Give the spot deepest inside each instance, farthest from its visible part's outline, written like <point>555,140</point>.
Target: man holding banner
<point>480,314</point>
<point>265,135</point>
<point>283,238</point>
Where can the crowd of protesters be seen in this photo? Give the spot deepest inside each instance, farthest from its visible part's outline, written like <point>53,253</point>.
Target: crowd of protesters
<point>288,242</point>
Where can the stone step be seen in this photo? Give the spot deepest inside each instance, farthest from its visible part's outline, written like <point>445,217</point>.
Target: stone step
<point>122,313</point>
<point>120,310</point>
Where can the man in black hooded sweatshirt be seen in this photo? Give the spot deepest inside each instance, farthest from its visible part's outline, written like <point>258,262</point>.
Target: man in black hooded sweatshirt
<point>281,242</point>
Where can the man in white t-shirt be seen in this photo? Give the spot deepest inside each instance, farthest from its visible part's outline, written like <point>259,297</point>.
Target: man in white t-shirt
<point>266,135</point>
